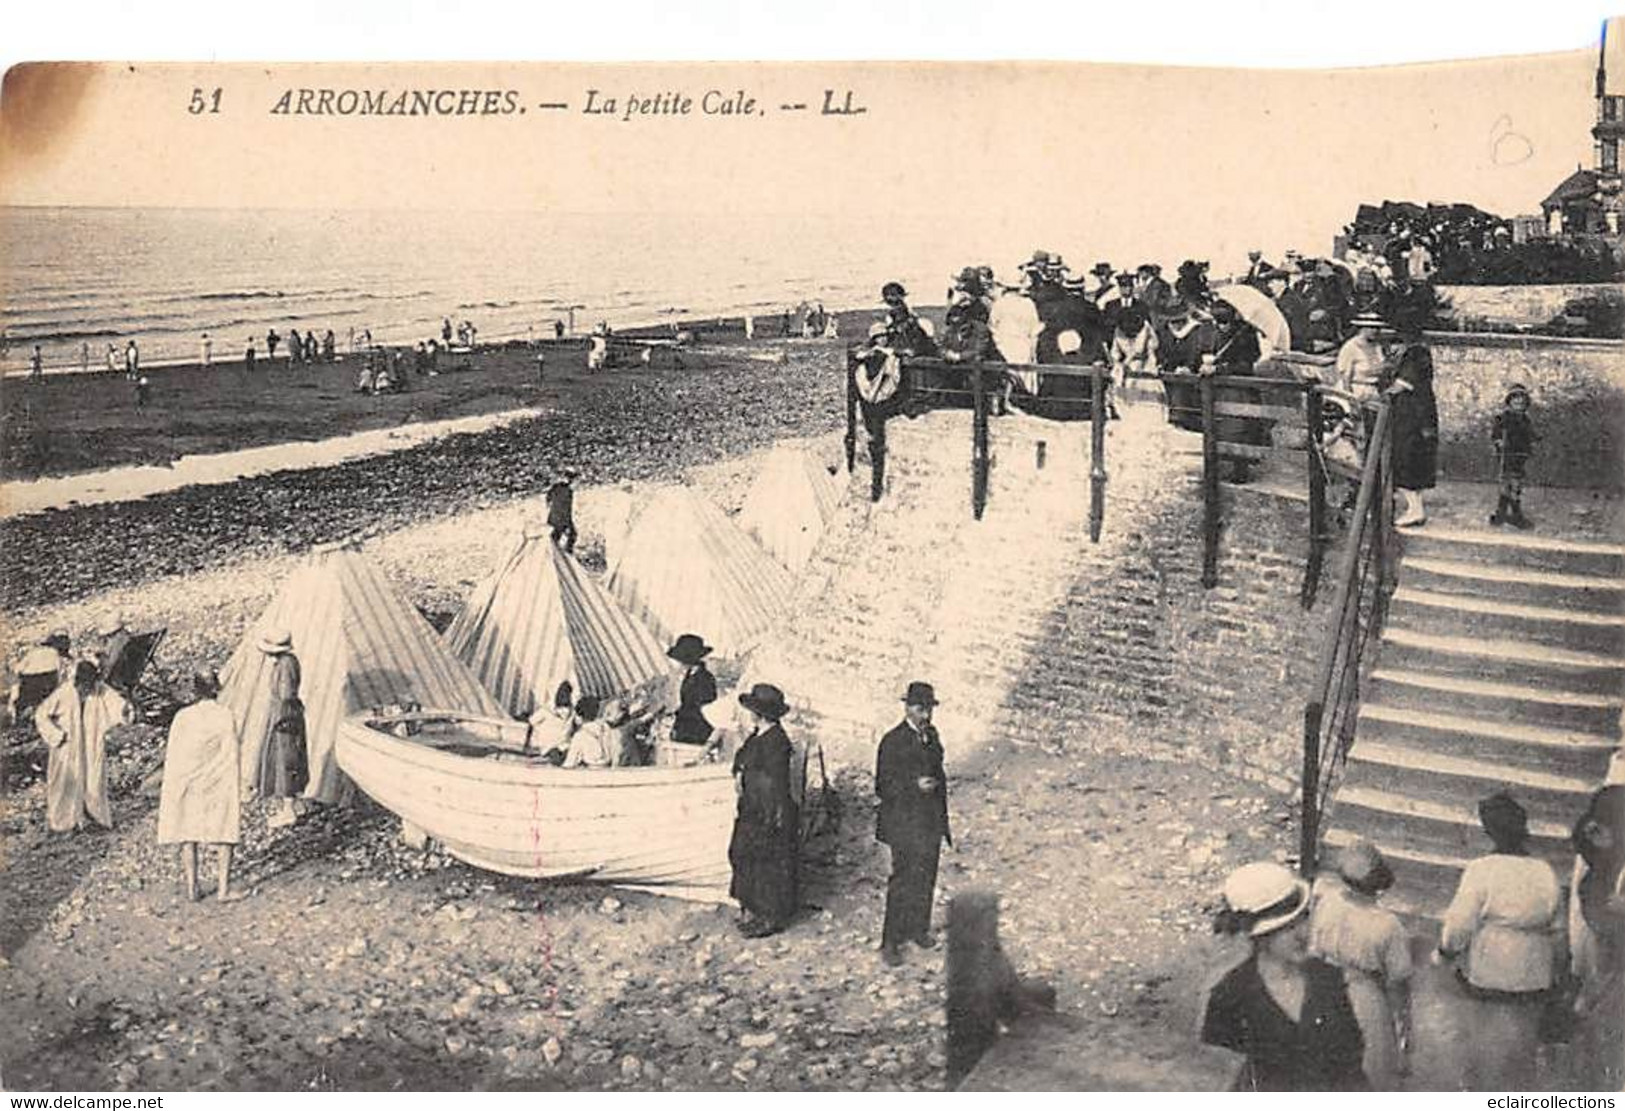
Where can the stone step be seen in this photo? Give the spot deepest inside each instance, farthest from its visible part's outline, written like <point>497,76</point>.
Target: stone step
<point>1511,702</point>
<point>1396,819</point>
<point>1502,660</point>
<point>1462,781</point>
<point>1538,749</point>
<point>1579,557</point>
<point>1475,616</point>
<point>1428,880</point>
<point>1592,593</point>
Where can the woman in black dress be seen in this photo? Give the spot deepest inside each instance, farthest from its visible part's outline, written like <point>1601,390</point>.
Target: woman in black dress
<point>1287,1012</point>
<point>1414,418</point>
<point>763,849</point>
<point>284,766</point>
<point>698,690</point>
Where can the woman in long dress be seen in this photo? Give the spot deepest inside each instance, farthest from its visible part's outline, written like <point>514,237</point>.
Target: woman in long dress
<point>1415,422</point>
<point>1505,923</point>
<point>200,800</point>
<point>765,843</point>
<point>284,768</point>
<point>1347,928</point>
<point>1287,1012</point>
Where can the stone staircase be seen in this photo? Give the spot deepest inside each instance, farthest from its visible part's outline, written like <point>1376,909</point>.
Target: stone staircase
<point>1502,664</point>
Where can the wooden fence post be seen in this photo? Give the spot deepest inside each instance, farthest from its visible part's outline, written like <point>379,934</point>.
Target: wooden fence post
<point>1097,454</point>
<point>1309,827</point>
<point>1312,402</point>
<point>851,412</point>
<point>1210,488</point>
<point>979,448</point>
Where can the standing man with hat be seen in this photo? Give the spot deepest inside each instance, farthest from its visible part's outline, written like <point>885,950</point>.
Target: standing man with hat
<point>1102,273</point>
<point>912,821</point>
<point>765,845</point>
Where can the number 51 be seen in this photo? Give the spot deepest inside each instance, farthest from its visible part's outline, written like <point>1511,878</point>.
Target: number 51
<point>200,104</point>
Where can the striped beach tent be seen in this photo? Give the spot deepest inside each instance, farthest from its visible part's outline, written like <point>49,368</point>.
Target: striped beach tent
<point>793,498</point>
<point>686,568</point>
<point>541,620</point>
<point>359,645</point>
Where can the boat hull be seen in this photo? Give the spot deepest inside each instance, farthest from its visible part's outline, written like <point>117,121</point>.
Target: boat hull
<point>463,781</point>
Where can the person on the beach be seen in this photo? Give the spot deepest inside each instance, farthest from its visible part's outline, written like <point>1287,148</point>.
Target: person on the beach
<point>36,364</point>
<point>697,689</point>
<point>558,329</point>
<point>434,357</point>
<point>271,340</point>
<point>249,356</point>
<point>912,821</point>
<point>74,721</point>
<point>132,360</point>
<point>764,847</point>
<point>589,741</point>
<point>329,347</point>
<point>112,358</point>
<point>1286,1012</point>
<point>141,385</point>
<point>445,331</point>
<point>1514,436</point>
<point>200,802</point>
<point>550,727</point>
<point>312,347</point>
<point>350,343</point>
<point>296,346</point>
<point>84,356</point>
<point>561,511</point>
<point>208,351</point>
<point>284,768</point>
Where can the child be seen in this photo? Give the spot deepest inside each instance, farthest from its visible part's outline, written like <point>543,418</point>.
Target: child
<point>1514,436</point>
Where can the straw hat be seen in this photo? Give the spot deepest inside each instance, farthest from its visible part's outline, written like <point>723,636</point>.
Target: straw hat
<point>276,643</point>
<point>1267,894</point>
<point>1368,320</point>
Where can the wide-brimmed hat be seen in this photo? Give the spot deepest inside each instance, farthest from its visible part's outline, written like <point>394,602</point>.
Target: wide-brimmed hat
<point>1517,389</point>
<point>878,329</point>
<point>1125,277</point>
<point>766,700</point>
<point>970,280</point>
<point>58,639</point>
<point>1368,320</point>
<point>1039,261</point>
<point>1504,819</point>
<point>276,642</point>
<point>1151,268</point>
<point>1101,269</point>
<point>110,624</point>
<point>689,648</point>
<point>1267,895</point>
<point>920,694</point>
<point>892,289</point>
<point>1363,868</point>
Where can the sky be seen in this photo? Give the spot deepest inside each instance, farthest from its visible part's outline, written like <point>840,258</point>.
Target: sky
<point>994,154</point>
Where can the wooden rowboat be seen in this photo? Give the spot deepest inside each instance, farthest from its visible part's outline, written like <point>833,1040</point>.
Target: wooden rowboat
<point>465,781</point>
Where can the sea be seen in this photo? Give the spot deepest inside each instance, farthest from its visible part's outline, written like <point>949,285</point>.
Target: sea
<point>76,280</point>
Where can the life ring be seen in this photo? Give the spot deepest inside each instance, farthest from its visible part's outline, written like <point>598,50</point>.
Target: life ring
<point>879,384</point>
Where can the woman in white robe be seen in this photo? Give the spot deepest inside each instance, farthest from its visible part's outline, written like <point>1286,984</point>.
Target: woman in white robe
<point>74,720</point>
<point>201,800</point>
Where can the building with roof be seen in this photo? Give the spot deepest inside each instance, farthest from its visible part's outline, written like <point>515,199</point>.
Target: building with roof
<point>1589,201</point>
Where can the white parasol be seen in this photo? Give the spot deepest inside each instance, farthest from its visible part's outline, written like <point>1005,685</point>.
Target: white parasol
<point>1257,309</point>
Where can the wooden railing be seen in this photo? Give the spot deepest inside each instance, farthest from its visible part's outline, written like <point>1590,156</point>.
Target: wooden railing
<point>1365,579</point>
<point>937,384</point>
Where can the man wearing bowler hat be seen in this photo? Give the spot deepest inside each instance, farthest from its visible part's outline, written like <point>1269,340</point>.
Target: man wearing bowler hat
<point>912,822</point>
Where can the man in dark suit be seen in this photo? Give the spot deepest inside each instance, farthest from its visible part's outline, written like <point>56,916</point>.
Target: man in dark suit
<point>913,821</point>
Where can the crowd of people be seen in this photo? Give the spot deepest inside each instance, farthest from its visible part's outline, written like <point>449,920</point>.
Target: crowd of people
<point>1324,1000</point>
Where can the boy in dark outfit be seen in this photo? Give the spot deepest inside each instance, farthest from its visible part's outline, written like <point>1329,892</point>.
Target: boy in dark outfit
<point>1514,436</point>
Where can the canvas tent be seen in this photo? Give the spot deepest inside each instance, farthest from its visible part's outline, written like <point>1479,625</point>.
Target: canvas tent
<point>541,620</point>
<point>686,568</point>
<point>359,645</point>
<point>789,504</point>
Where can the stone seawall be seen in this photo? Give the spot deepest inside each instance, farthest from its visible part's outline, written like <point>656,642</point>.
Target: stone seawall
<point>1579,407</point>
<point>1517,306</point>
